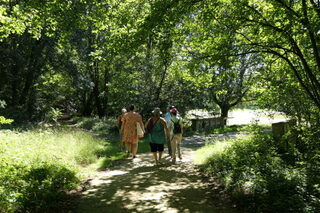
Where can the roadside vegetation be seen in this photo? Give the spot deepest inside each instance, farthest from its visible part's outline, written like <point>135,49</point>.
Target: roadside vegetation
<point>90,59</point>
<point>263,174</point>
<point>39,166</point>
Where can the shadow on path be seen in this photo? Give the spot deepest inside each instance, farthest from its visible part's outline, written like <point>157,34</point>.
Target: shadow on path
<point>139,186</point>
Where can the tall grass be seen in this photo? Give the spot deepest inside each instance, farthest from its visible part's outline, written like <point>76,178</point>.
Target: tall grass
<point>38,166</point>
<point>258,177</point>
<point>70,147</point>
<point>204,154</point>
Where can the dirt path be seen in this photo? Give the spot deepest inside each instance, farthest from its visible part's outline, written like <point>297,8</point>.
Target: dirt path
<point>139,186</point>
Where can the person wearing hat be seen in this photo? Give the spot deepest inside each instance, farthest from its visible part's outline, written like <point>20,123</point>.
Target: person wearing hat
<point>158,133</point>
<point>176,130</point>
<point>118,125</point>
<point>129,130</point>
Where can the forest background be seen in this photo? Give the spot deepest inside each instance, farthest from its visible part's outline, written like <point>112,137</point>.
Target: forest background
<point>92,58</point>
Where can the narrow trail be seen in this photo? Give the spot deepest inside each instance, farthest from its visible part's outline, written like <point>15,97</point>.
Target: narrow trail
<point>140,186</point>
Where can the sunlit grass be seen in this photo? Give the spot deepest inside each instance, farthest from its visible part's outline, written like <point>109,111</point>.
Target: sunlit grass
<point>203,154</point>
<point>75,149</point>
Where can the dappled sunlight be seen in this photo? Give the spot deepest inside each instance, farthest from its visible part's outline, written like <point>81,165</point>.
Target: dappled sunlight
<point>140,186</point>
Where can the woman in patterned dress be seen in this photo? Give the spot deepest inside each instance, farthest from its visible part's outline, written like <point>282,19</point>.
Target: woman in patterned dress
<point>129,130</point>
<point>119,124</point>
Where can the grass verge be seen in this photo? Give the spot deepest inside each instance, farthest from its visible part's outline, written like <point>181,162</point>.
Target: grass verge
<point>258,177</point>
<point>40,165</point>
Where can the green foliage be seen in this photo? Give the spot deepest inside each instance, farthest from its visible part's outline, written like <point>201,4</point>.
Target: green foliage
<point>95,57</point>
<point>251,169</point>
<point>47,184</point>
<point>12,185</point>
<point>96,125</point>
<point>39,166</point>
<point>52,115</point>
<point>4,120</point>
<point>33,188</point>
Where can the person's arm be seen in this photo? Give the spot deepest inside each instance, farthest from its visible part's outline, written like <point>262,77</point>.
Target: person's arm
<point>181,124</point>
<point>118,121</point>
<point>147,123</point>
<point>123,120</point>
<point>163,121</point>
<point>141,123</point>
<point>169,125</point>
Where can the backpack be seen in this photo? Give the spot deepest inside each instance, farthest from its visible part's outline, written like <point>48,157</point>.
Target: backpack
<point>176,127</point>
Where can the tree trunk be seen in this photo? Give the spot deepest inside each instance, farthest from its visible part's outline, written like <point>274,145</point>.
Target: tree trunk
<point>224,110</point>
<point>106,90</point>
<point>14,86</point>
<point>159,89</point>
<point>87,104</point>
<point>34,66</point>
<point>97,100</point>
<point>96,92</point>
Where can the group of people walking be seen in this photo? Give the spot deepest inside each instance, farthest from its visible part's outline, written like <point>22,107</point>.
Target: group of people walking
<point>157,130</point>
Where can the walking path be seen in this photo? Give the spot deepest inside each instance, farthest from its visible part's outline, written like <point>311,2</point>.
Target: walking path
<point>139,186</point>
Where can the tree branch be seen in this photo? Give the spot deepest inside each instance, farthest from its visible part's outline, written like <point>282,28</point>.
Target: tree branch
<point>311,35</point>
<point>315,8</point>
<point>289,8</point>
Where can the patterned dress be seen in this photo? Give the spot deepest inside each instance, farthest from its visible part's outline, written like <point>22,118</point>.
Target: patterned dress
<point>129,127</point>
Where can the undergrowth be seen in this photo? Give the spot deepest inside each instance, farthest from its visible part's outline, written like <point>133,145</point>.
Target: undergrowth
<point>260,177</point>
<point>39,166</point>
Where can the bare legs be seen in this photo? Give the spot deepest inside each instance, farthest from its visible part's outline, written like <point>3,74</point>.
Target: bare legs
<point>128,148</point>
<point>155,157</point>
<point>132,148</point>
<point>160,156</point>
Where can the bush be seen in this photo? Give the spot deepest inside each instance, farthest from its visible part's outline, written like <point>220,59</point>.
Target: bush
<point>12,186</point>
<point>100,126</point>
<point>52,115</point>
<point>38,166</point>
<point>35,189</point>
<point>256,175</point>
<point>47,185</point>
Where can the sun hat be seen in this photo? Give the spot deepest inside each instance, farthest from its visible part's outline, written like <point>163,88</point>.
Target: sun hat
<point>157,111</point>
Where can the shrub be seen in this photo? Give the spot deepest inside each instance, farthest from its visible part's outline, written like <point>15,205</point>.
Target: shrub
<point>52,115</point>
<point>35,189</point>
<point>254,173</point>
<point>12,185</point>
<point>46,186</point>
<point>38,166</point>
<point>100,126</point>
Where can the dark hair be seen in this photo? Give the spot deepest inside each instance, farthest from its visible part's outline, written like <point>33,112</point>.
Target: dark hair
<point>131,107</point>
